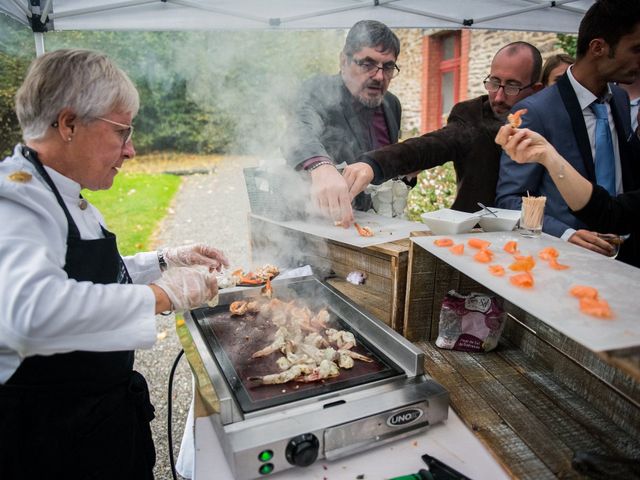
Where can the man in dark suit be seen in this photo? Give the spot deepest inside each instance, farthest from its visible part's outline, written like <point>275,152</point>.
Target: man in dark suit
<point>608,50</point>
<point>339,117</point>
<point>468,138</point>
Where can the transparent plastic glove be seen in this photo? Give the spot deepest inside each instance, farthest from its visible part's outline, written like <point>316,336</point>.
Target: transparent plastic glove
<point>198,254</point>
<point>188,287</point>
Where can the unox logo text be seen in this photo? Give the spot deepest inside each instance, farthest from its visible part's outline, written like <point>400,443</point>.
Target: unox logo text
<point>404,417</point>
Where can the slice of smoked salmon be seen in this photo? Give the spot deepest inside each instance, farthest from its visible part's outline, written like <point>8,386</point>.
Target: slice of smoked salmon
<point>478,243</point>
<point>497,270</point>
<point>483,256</point>
<point>443,242</point>
<point>511,247</point>
<point>523,264</point>
<point>548,253</point>
<point>522,280</point>
<point>457,249</point>
<point>583,291</point>
<point>596,307</point>
<point>553,263</point>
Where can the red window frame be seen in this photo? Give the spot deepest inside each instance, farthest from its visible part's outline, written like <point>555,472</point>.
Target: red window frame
<point>446,66</point>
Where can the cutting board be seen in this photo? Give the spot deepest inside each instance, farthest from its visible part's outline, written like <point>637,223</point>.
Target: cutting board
<point>549,299</point>
<point>385,229</point>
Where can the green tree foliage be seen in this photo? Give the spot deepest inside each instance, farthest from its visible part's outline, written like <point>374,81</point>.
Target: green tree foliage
<point>170,121</point>
<point>13,70</point>
<point>568,43</point>
<point>16,51</point>
<point>436,189</point>
<point>200,92</point>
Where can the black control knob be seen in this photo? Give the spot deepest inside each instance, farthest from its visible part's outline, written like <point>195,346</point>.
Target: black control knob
<point>303,450</point>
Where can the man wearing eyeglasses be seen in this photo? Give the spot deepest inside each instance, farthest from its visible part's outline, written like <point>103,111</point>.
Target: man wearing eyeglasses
<point>339,117</point>
<point>576,113</point>
<point>468,138</point>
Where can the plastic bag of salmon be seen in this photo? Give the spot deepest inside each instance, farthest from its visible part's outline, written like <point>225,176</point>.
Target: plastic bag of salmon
<point>470,323</point>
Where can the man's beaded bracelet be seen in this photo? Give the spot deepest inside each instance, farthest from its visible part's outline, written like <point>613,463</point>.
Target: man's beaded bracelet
<point>319,164</point>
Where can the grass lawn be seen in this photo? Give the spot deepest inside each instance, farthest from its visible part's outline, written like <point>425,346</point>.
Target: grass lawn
<point>134,206</point>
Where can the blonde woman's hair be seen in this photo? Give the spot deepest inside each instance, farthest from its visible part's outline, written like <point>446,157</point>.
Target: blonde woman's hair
<point>85,81</point>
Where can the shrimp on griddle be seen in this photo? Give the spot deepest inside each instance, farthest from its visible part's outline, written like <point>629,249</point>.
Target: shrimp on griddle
<point>326,369</point>
<point>283,377</point>
<point>345,340</point>
<point>238,308</point>
<point>302,316</point>
<point>355,355</point>
<point>344,360</point>
<point>254,306</point>
<point>315,339</point>
<point>293,356</point>
<point>278,343</point>
<point>320,319</point>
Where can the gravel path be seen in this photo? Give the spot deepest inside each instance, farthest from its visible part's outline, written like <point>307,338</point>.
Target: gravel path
<point>210,208</point>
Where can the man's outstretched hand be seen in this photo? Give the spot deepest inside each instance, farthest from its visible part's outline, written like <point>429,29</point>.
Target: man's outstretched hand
<point>330,194</point>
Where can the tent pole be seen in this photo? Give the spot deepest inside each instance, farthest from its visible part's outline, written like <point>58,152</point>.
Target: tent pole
<point>39,39</point>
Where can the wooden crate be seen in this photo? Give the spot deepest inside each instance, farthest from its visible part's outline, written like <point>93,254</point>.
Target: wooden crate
<point>383,294</point>
<point>540,397</point>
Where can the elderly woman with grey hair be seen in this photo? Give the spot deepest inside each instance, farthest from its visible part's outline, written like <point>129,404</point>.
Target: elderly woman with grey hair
<point>72,310</point>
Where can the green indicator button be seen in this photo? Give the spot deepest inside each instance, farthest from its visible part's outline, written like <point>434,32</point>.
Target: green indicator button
<point>266,469</point>
<point>265,455</point>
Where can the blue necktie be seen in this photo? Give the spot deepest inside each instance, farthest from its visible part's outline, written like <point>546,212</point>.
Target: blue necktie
<point>605,160</point>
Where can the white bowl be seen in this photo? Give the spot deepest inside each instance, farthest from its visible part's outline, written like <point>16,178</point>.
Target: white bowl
<point>505,222</point>
<point>449,222</point>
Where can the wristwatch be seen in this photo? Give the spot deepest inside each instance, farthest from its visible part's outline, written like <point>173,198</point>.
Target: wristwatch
<point>161,261</point>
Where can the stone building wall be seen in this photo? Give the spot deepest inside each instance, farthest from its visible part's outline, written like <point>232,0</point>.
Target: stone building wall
<point>407,86</point>
<point>484,43</point>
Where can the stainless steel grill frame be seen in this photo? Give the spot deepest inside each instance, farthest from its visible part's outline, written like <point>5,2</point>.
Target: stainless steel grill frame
<point>344,421</point>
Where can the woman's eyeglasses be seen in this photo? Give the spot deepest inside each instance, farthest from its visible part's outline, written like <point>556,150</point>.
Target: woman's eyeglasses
<point>125,134</point>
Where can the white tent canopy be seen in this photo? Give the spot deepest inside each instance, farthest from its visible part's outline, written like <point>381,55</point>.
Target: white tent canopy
<point>534,15</point>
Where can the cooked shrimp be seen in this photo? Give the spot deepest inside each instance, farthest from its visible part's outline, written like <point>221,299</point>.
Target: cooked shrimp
<point>515,119</point>
<point>284,363</point>
<point>326,369</point>
<point>345,340</point>
<point>267,271</point>
<point>267,291</point>
<point>345,360</point>
<point>238,308</point>
<point>254,306</point>
<point>315,339</point>
<point>283,377</point>
<point>320,320</point>
<point>363,231</point>
<point>279,342</point>
<point>355,355</point>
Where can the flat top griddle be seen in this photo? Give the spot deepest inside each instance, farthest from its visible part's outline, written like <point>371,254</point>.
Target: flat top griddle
<point>233,339</point>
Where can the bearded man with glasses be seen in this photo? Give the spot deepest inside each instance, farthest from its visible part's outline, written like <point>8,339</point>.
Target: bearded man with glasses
<point>468,138</point>
<point>338,117</point>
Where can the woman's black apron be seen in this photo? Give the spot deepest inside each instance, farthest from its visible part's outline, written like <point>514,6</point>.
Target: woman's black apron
<point>78,415</point>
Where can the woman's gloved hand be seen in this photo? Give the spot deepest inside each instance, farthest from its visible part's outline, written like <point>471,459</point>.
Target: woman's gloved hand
<point>188,288</point>
<point>198,254</point>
